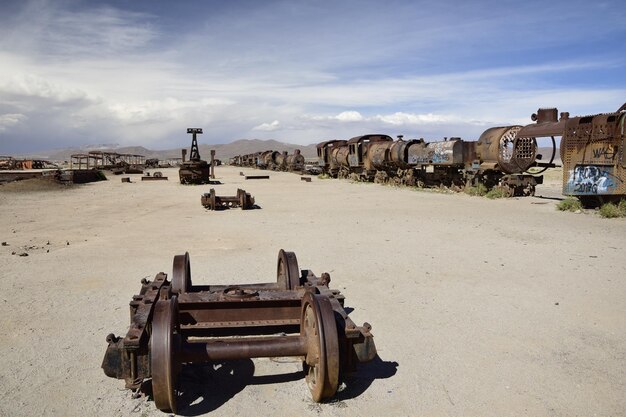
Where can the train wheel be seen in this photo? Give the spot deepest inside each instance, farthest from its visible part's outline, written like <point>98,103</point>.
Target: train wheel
<point>288,272</point>
<point>321,364</point>
<point>181,274</point>
<point>163,360</point>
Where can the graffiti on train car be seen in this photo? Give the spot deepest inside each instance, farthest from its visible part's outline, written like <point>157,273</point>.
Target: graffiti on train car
<point>441,152</point>
<point>606,153</point>
<point>591,179</point>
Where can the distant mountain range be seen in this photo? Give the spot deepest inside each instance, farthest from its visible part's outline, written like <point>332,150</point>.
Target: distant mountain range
<point>222,151</point>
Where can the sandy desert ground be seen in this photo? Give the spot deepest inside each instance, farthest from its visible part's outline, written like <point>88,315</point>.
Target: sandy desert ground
<point>479,307</point>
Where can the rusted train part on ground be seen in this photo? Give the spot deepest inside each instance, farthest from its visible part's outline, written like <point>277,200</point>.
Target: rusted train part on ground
<point>10,163</point>
<point>215,202</point>
<point>592,151</point>
<point>497,159</point>
<point>174,322</point>
<point>195,170</point>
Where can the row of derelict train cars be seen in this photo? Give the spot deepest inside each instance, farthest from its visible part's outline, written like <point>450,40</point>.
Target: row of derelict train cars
<point>591,151</point>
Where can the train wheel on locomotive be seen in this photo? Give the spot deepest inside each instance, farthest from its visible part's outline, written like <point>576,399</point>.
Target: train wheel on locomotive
<point>181,274</point>
<point>164,360</point>
<point>381,177</point>
<point>321,364</point>
<point>288,272</point>
<point>529,190</point>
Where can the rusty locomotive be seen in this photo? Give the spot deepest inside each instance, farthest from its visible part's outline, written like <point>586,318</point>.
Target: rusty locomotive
<point>497,159</point>
<point>592,152</point>
<point>271,160</point>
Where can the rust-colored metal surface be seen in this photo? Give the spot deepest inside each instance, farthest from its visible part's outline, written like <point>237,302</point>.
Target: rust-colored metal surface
<point>272,160</point>
<point>498,159</point>
<point>195,170</point>
<point>154,178</point>
<point>176,324</point>
<point>593,151</point>
<point>214,202</point>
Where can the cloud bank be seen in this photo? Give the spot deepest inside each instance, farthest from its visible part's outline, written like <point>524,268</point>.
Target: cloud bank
<point>74,73</point>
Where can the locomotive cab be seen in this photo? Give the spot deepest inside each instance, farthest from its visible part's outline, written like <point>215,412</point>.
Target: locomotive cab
<point>359,146</point>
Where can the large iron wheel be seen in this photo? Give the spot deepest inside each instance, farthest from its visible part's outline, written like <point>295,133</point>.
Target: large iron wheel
<point>321,364</point>
<point>164,360</point>
<point>181,274</point>
<point>288,272</point>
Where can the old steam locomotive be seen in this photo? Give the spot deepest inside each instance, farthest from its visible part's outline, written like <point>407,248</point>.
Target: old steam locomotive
<point>272,160</point>
<point>592,152</point>
<point>498,159</point>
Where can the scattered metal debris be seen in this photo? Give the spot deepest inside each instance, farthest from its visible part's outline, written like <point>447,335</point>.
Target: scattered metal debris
<point>156,176</point>
<point>257,177</point>
<point>215,202</point>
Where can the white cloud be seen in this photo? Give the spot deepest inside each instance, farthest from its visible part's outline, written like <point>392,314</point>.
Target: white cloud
<point>349,116</point>
<point>268,127</point>
<point>32,85</point>
<point>400,118</point>
<point>10,119</point>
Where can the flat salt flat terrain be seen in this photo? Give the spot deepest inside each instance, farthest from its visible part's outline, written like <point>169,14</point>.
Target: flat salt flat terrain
<point>478,307</point>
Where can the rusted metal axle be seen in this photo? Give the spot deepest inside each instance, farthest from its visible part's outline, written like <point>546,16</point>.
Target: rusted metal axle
<point>175,323</point>
<point>215,202</point>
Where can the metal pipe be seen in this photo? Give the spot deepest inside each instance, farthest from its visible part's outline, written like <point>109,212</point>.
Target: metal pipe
<point>244,348</point>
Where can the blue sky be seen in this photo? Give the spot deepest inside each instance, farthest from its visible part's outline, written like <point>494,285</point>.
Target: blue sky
<point>140,72</point>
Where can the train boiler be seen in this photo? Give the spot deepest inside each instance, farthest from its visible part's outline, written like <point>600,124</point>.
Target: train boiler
<point>295,161</point>
<point>439,163</point>
<point>366,154</point>
<point>503,158</point>
<point>328,157</point>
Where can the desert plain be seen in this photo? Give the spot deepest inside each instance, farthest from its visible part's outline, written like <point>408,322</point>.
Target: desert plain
<point>478,307</point>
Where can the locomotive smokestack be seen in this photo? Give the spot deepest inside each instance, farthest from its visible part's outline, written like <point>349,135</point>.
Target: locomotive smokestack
<point>545,115</point>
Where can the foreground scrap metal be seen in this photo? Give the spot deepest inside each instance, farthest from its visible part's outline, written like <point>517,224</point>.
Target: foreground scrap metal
<point>216,202</point>
<point>174,323</point>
